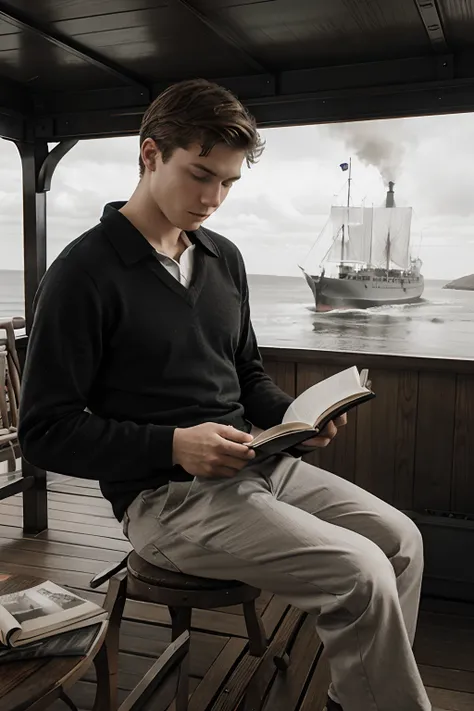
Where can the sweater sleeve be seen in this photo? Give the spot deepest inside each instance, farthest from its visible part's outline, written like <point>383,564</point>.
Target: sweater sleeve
<point>65,350</point>
<point>264,402</point>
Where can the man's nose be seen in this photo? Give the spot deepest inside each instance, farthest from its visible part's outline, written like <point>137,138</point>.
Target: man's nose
<point>211,197</point>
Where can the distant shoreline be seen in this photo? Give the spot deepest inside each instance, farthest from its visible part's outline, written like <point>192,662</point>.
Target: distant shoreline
<point>253,275</point>
<point>464,283</point>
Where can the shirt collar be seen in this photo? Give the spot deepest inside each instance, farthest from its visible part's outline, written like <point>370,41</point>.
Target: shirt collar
<point>131,245</point>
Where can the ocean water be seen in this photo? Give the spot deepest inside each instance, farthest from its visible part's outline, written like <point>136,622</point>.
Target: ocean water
<point>441,325</point>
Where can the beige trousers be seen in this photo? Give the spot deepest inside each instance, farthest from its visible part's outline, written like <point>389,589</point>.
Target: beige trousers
<point>318,541</point>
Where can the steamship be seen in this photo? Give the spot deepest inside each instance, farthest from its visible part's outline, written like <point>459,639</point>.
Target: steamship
<point>370,258</point>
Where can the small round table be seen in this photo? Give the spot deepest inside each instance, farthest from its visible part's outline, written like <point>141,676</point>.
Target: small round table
<point>34,685</point>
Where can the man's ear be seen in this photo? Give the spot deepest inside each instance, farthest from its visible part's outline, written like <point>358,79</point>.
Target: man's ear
<point>150,154</point>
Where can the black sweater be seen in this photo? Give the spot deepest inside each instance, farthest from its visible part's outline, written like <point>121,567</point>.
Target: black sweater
<point>120,354</point>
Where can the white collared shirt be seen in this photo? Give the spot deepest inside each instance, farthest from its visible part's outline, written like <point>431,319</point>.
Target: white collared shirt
<point>182,270</point>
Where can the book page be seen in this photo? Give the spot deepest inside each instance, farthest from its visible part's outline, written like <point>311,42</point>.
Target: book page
<point>63,628</point>
<point>8,624</point>
<point>278,431</point>
<point>321,397</point>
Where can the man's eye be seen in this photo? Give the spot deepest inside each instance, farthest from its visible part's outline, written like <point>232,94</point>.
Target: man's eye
<point>200,178</point>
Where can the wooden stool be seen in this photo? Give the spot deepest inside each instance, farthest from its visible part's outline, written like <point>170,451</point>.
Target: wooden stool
<point>180,593</point>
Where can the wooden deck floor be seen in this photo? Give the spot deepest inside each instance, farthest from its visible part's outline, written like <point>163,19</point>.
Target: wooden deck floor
<point>83,538</point>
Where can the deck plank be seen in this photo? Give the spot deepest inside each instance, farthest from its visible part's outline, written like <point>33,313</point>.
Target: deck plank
<point>451,700</point>
<point>84,537</point>
<point>286,689</point>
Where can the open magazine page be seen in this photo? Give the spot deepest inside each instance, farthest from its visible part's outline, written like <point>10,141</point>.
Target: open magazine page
<point>8,625</point>
<point>320,397</point>
<point>43,608</point>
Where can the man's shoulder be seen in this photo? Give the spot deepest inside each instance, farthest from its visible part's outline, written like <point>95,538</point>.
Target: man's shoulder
<point>82,264</point>
<point>91,252</point>
<point>87,247</point>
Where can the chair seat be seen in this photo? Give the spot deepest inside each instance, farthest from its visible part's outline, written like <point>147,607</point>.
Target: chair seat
<point>152,575</point>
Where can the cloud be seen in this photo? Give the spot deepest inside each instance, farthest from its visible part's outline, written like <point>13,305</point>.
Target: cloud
<point>276,212</point>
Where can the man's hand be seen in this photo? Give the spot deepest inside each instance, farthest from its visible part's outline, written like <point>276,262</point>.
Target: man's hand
<point>327,435</point>
<point>211,450</point>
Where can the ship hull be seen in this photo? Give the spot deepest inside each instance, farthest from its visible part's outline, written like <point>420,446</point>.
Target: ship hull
<point>331,293</point>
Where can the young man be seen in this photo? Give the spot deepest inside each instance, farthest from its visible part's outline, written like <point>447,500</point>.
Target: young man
<point>143,372</point>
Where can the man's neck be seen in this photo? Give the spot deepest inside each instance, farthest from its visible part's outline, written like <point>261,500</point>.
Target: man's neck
<point>153,225</point>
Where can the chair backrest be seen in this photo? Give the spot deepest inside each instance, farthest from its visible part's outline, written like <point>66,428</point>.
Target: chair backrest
<point>9,378</point>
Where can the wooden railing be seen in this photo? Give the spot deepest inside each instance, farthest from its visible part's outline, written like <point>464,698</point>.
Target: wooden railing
<point>413,445</point>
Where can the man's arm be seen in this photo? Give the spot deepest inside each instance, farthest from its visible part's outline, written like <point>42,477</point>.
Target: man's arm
<point>64,354</point>
<point>264,402</point>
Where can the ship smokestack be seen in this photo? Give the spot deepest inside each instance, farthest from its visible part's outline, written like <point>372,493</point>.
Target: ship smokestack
<point>390,200</point>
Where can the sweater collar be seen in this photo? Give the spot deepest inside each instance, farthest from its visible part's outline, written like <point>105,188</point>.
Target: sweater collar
<point>131,245</point>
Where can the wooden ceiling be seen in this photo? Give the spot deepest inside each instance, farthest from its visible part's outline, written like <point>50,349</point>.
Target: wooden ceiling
<point>83,68</point>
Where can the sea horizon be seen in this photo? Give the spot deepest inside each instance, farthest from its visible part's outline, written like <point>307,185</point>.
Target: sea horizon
<point>292,276</point>
<point>440,325</point>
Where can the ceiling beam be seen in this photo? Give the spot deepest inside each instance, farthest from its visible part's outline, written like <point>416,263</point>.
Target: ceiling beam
<point>404,87</point>
<point>226,34</point>
<point>26,24</point>
<point>433,24</point>
<point>12,127</point>
<point>345,105</point>
<point>14,98</point>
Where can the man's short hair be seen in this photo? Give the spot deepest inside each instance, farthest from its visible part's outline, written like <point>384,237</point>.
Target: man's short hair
<point>199,111</point>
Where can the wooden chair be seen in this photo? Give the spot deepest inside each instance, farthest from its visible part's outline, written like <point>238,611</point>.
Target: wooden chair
<point>9,393</point>
<point>181,593</point>
<point>28,480</point>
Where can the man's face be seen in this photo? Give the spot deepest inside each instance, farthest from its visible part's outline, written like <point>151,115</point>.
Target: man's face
<point>188,188</point>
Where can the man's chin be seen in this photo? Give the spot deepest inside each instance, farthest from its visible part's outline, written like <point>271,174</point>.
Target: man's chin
<point>192,222</point>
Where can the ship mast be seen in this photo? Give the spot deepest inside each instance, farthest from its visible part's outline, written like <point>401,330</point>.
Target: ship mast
<point>388,252</point>
<point>371,236</point>
<point>389,202</point>
<point>348,203</point>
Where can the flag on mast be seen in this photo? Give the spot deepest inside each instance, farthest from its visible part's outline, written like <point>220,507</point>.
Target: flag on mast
<point>344,166</point>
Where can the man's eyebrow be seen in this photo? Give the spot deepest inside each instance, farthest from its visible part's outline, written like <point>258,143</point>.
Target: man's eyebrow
<point>211,172</point>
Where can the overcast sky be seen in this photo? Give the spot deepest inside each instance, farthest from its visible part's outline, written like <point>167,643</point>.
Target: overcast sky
<point>275,213</point>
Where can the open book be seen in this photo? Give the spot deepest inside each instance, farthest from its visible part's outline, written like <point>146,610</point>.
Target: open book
<point>311,411</point>
<point>42,611</point>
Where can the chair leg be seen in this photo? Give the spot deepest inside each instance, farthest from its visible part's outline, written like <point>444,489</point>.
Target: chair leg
<point>281,661</point>
<point>181,622</point>
<point>147,694</point>
<point>255,630</point>
<point>106,660</point>
<point>182,690</point>
<point>35,500</point>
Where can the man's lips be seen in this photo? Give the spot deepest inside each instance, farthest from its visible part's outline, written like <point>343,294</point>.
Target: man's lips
<point>199,214</point>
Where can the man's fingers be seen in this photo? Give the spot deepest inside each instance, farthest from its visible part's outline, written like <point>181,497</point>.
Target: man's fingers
<point>233,449</point>
<point>341,420</point>
<point>324,441</point>
<point>329,431</point>
<point>318,441</point>
<point>234,435</point>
